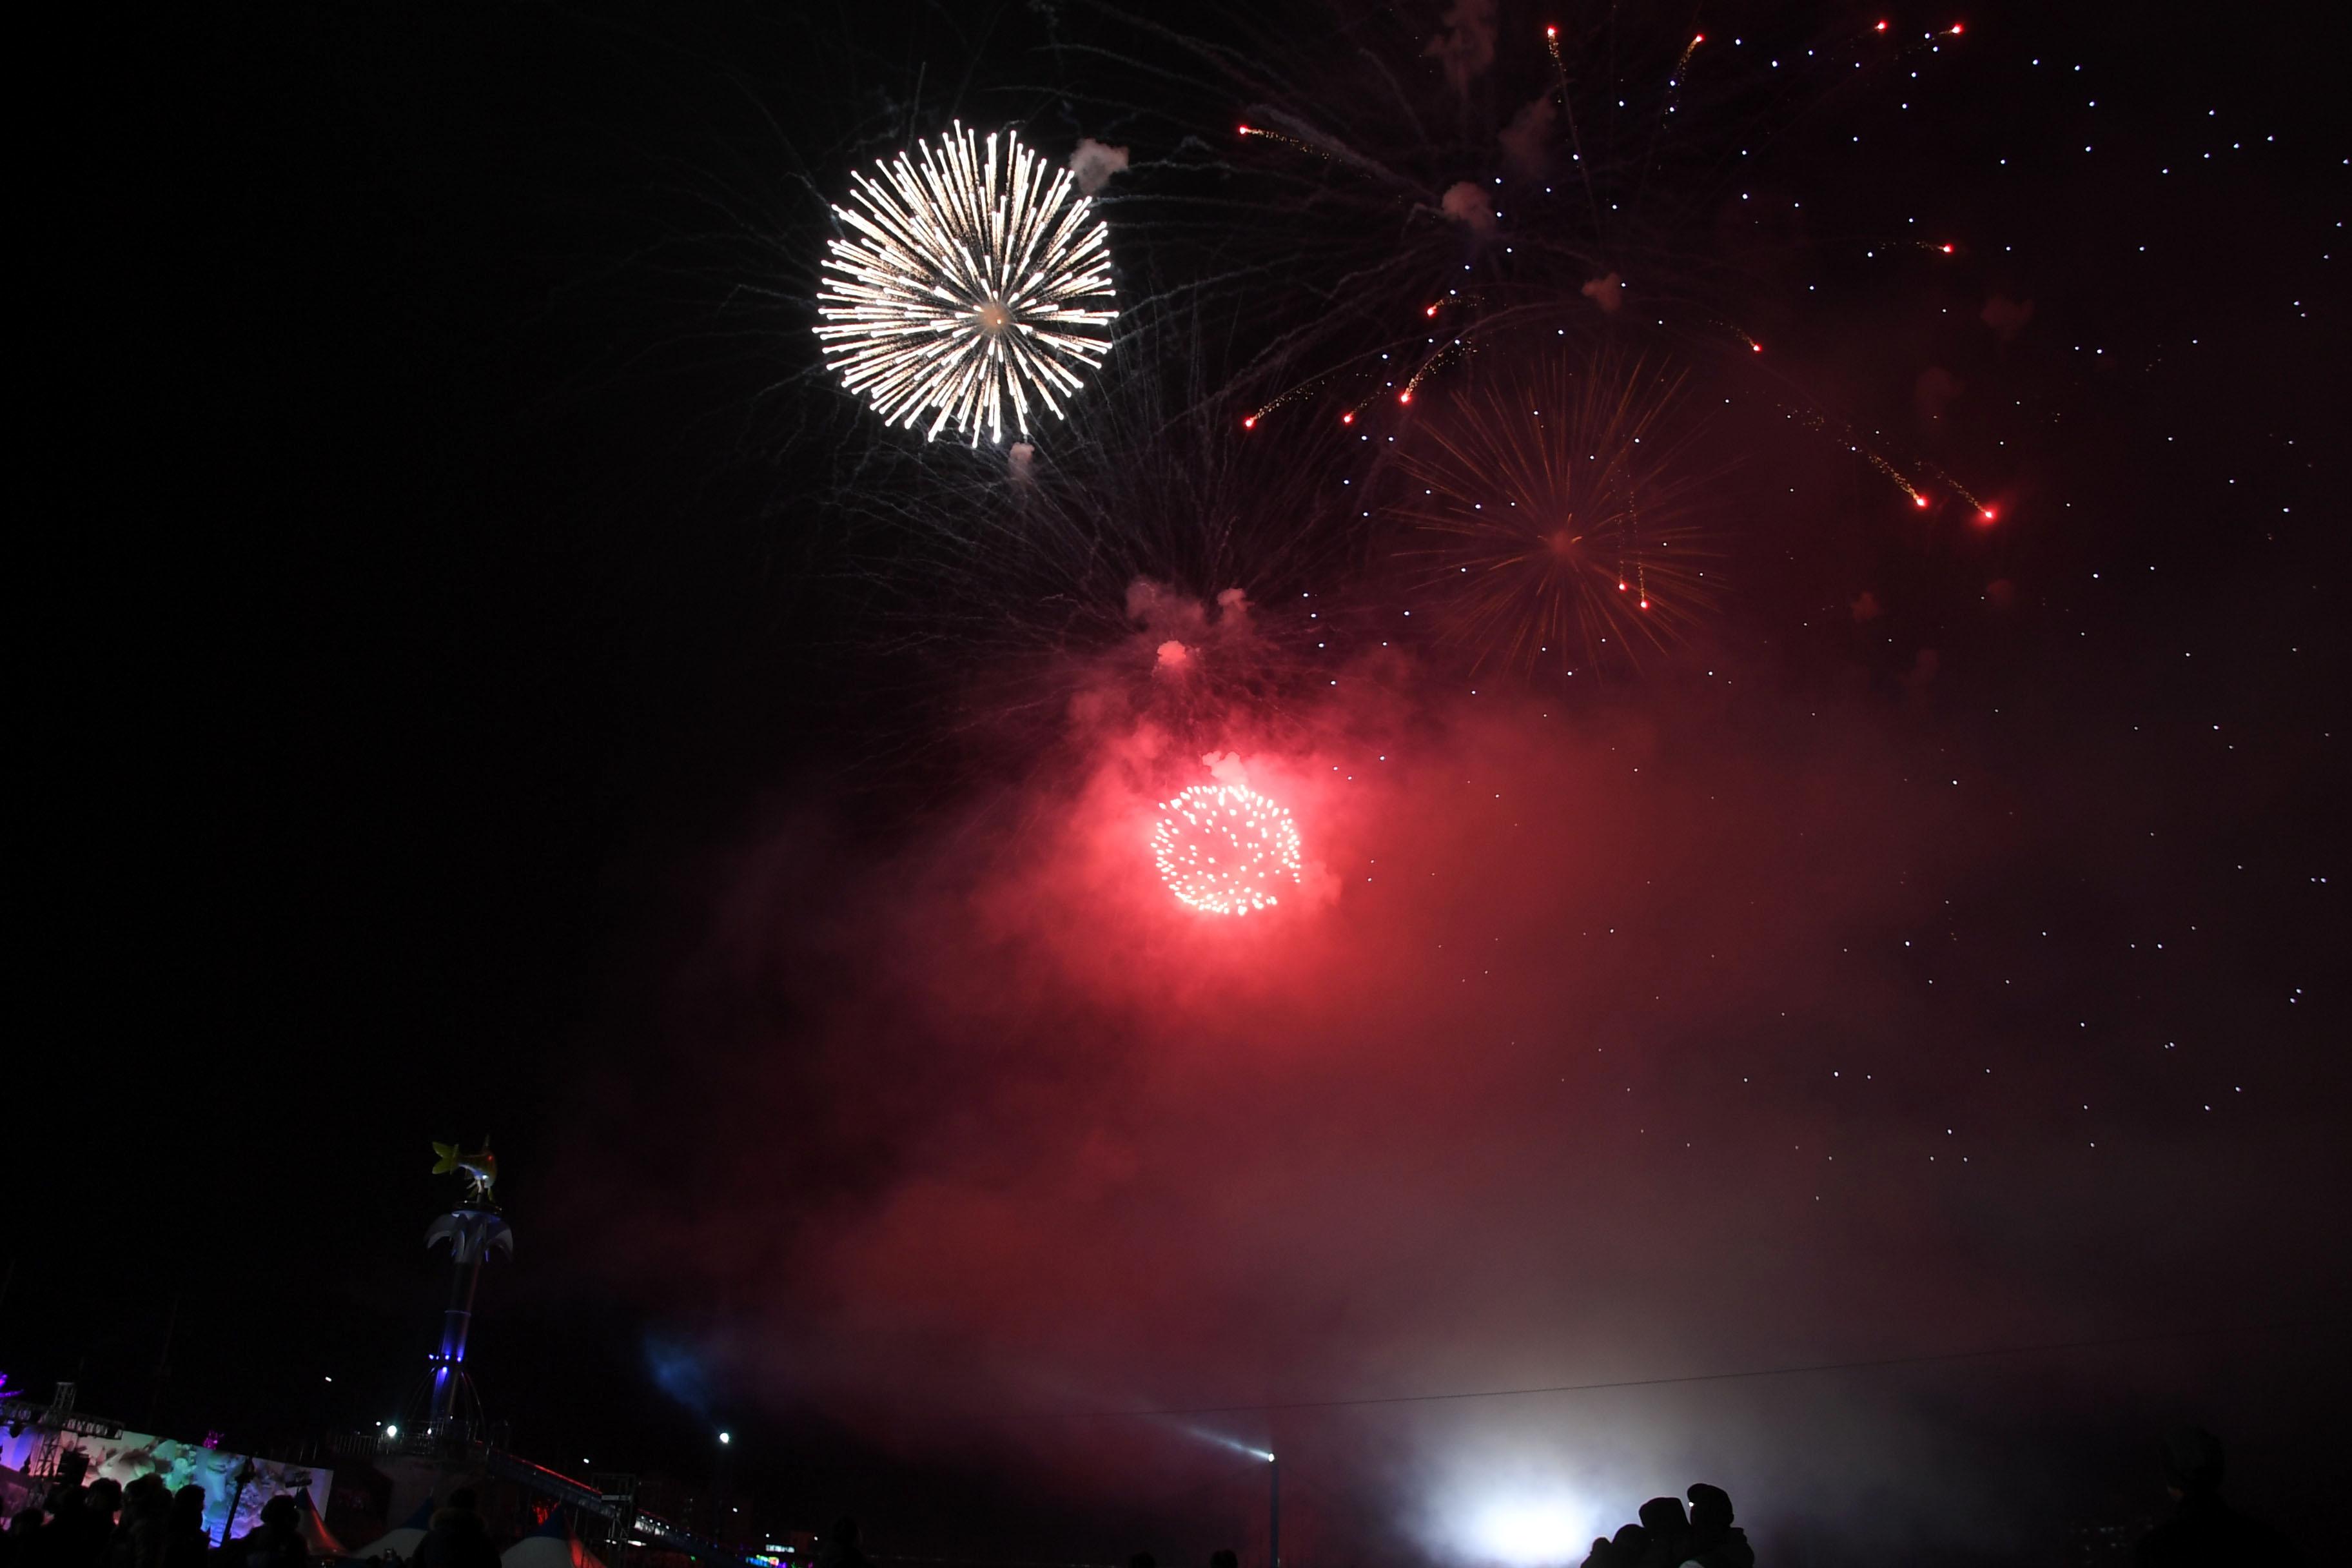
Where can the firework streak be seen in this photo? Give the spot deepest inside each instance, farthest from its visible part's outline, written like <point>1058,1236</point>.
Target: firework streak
<point>973,290</point>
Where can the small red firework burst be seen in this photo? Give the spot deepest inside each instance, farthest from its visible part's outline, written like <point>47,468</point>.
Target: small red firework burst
<point>1544,498</point>
<point>1225,850</point>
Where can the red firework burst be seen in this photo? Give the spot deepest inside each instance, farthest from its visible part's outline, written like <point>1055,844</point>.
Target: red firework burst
<point>1224,849</point>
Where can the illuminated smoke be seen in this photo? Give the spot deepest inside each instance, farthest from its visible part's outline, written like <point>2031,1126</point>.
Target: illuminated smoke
<point>1466,205</point>
<point>1093,164</point>
<point>1933,393</point>
<point>1467,45</point>
<point>2006,317</point>
<point>1527,139</point>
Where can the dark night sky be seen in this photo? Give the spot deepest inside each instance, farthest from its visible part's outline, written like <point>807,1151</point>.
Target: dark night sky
<point>452,710</point>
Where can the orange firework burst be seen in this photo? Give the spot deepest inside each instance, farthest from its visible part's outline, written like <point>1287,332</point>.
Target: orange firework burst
<point>1225,850</point>
<point>1554,514</point>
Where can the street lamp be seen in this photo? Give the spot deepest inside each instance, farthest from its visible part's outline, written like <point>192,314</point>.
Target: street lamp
<point>1273,1484</point>
<point>1273,1512</point>
<point>722,1483</point>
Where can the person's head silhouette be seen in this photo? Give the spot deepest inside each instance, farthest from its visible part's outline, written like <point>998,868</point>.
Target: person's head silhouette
<point>1710,1512</point>
<point>2193,1462</point>
<point>1664,1518</point>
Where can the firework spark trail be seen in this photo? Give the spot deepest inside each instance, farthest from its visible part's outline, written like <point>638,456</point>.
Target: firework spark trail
<point>1755,345</point>
<point>1444,354</point>
<point>1366,211</point>
<point>1814,419</point>
<point>977,283</point>
<point>1918,497</point>
<point>1350,146</point>
<point>1003,585</point>
<point>1665,118</point>
<point>1575,141</point>
<point>1340,200</point>
<point>1223,849</point>
<point>1902,481</point>
<point>1554,514</point>
<point>1309,147</point>
<point>1984,512</point>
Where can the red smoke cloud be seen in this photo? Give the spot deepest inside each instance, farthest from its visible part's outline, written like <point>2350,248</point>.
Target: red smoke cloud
<point>1607,1042</point>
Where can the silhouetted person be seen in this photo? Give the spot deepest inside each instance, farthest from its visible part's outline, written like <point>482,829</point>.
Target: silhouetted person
<point>20,1543</point>
<point>1629,1548</point>
<point>2203,1530</point>
<point>456,1537</point>
<point>1224,1557</point>
<point>101,1503</point>
<point>277,1541</point>
<point>137,1540</point>
<point>1714,1542</point>
<point>1669,1531</point>
<point>62,1533</point>
<point>185,1541</point>
<point>840,1549</point>
<point>81,1519</point>
<point>1143,1560</point>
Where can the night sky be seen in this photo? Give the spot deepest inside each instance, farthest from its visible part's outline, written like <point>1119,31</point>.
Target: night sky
<point>487,679</point>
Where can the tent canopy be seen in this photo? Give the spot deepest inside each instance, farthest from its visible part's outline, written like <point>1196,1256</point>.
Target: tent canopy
<point>552,1545</point>
<point>403,1539</point>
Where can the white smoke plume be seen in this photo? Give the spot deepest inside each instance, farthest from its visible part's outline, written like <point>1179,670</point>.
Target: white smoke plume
<point>1467,46</point>
<point>1094,164</point>
<point>1466,205</point>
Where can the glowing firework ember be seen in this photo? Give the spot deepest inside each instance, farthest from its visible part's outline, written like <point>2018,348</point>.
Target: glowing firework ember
<point>975,287</point>
<point>1223,849</point>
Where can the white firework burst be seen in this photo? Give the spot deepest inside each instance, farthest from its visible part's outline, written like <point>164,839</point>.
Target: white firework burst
<point>973,288</point>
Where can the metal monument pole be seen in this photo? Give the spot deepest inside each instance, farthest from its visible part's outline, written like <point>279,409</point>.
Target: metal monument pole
<point>472,1230</point>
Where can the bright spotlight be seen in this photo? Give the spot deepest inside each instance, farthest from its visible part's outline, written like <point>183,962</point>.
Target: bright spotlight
<point>391,1429</point>
<point>1528,1532</point>
<point>1235,1444</point>
<point>725,1437</point>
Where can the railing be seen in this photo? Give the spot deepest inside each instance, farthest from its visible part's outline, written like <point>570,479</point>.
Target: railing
<point>623,1511</point>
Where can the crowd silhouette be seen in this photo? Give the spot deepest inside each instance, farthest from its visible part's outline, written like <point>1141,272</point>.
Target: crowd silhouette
<point>78,1523</point>
<point>456,1537</point>
<point>104,1523</point>
<point>1668,1537</point>
<point>2203,1530</point>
